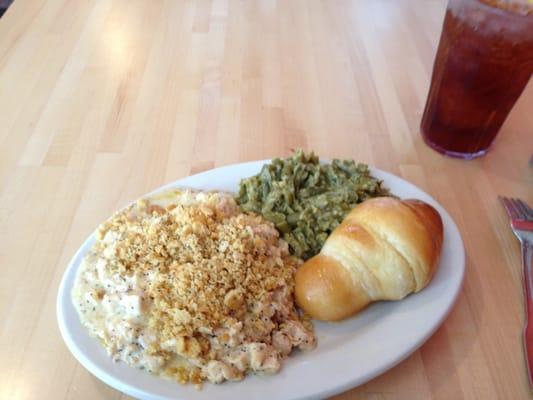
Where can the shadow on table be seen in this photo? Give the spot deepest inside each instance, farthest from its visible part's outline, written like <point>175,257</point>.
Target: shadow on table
<point>4,4</point>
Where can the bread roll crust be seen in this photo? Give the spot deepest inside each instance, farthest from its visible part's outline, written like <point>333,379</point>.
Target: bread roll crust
<point>384,249</point>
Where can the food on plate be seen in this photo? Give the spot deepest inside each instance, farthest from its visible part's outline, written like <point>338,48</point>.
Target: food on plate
<point>186,285</point>
<point>305,199</point>
<point>384,249</point>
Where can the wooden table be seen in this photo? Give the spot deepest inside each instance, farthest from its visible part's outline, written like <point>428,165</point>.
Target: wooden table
<point>102,101</point>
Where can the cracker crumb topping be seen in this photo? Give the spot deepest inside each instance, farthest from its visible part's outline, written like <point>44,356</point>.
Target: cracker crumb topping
<point>212,282</point>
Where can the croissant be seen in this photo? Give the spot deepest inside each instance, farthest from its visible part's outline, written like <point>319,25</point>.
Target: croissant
<point>384,249</point>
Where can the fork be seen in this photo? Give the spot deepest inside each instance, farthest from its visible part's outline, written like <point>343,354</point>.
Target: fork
<point>521,216</point>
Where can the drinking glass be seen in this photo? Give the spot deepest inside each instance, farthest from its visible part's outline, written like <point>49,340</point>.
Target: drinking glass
<point>483,63</point>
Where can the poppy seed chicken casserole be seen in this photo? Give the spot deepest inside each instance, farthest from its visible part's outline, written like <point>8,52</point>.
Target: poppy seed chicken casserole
<point>187,286</point>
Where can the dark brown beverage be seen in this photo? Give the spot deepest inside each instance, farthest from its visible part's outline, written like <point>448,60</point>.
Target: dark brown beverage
<point>483,63</point>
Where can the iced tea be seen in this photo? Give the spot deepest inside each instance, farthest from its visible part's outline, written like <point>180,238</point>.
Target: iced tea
<point>483,63</point>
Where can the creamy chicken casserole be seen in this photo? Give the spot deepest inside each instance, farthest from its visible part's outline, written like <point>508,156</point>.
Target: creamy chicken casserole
<point>187,286</point>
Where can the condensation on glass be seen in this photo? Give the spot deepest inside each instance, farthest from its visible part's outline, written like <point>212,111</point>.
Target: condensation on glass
<point>483,63</point>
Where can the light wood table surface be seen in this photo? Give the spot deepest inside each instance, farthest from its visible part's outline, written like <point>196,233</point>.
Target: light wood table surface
<point>102,101</point>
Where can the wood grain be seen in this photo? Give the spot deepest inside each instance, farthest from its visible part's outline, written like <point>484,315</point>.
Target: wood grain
<point>102,101</point>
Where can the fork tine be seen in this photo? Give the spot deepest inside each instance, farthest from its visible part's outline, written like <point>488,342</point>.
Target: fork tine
<point>525,210</point>
<point>507,204</point>
<point>514,203</point>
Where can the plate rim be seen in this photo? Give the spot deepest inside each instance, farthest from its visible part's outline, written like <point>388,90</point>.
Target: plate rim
<point>127,388</point>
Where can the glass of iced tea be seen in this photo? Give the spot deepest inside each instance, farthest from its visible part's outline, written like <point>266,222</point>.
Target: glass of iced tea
<point>483,63</point>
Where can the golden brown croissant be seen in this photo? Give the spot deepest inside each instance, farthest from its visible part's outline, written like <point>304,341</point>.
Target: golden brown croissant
<point>384,249</point>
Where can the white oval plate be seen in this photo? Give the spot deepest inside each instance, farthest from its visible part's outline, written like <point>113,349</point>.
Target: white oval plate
<point>348,353</point>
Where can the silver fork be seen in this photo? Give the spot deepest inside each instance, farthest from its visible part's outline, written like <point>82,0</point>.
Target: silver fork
<point>521,216</point>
